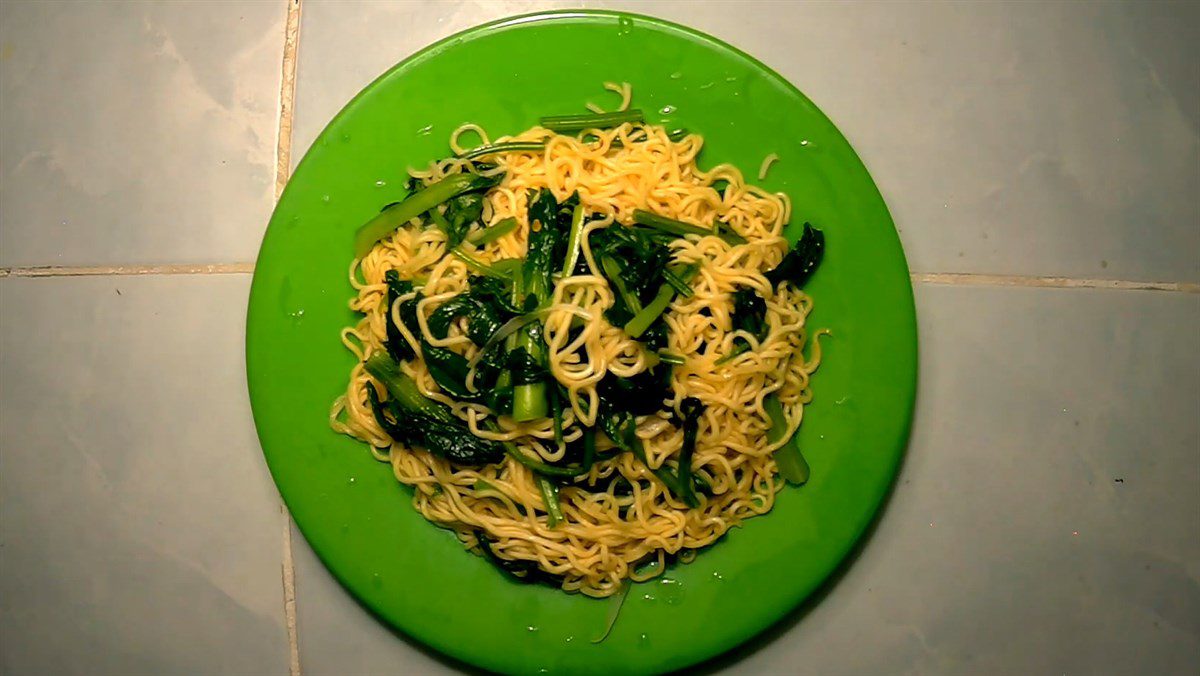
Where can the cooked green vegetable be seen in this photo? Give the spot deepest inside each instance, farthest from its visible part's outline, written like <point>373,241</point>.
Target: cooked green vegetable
<point>749,315</point>
<point>792,465</point>
<point>666,293</point>
<point>680,229</point>
<point>566,124</point>
<point>483,318</point>
<point>668,225</point>
<point>496,231</point>
<point>386,222</point>
<point>418,421</point>
<point>621,428</point>
<point>550,224</point>
<point>493,270</point>
<point>801,262</point>
<point>692,409</point>
<point>461,211</point>
<point>397,346</point>
<point>574,238</point>
<point>549,490</point>
<point>505,147</point>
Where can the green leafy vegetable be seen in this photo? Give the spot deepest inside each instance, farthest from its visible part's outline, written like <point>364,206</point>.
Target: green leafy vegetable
<point>801,262</point>
<point>681,229</point>
<point>396,344</point>
<point>496,231</point>
<point>496,270</point>
<point>692,409</point>
<point>550,224</point>
<point>386,222</point>
<point>483,317</point>
<point>549,491</point>
<point>749,315</point>
<point>788,457</point>
<point>566,124</point>
<point>621,428</point>
<point>574,238</point>
<point>505,147</point>
<point>666,293</point>
<point>633,261</point>
<point>461,211</point>
<point>411,418</point>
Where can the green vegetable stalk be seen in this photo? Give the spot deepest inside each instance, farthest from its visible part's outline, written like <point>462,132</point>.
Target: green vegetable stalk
<point>567,124</point>
<point>396,215</point>
<point>792,465</point>
<point>666,293</point>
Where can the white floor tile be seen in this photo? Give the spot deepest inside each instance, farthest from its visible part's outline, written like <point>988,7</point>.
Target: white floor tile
<point>140,532</point>
<point>135,132</point>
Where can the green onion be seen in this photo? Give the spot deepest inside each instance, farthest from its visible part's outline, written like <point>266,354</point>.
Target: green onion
<point>666,293</point>
<point>549,490</point>
<point>574,241</point>
<point>489,235</point>
<point>671,358</point>
<point>564,124</point>
<point>792,465</point>
<point>506,147</point>
<point>386,222</point>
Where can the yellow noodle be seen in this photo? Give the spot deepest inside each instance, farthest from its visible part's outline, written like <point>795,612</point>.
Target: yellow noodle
<point>624,90</point>
<point>606,534</point>
<point>766,165</point>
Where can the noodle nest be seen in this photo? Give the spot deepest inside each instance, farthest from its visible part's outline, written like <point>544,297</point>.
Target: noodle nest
<point>618,518</point>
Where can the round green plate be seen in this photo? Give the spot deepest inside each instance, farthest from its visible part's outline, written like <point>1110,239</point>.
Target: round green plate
<point>504,76</point>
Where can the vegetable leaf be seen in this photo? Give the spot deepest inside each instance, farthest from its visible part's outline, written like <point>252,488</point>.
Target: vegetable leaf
<point>412,419</point>
<point>397,346</point>
<point>800,263</point>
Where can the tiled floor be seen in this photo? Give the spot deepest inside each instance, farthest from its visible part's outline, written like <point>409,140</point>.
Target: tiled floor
<point>1047,518</point>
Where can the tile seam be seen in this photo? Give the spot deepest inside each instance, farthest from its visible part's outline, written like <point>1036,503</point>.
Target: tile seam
<point>283,163</point>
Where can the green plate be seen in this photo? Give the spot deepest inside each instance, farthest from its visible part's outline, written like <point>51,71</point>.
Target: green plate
<point>503,76</point>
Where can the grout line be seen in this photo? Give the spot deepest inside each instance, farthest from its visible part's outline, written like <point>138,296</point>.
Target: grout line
<point>287,98</point>
<point>289,593</point>
<point>283,167</point>
<point>973,279</point>
<point>120,270</point>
